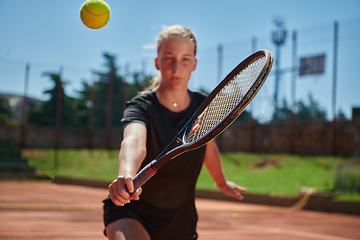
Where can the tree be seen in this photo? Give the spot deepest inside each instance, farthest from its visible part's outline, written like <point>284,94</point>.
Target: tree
<point>75,111</point>
<point>244,117</point>
<point>122,92</point>
<point>341,115</point>
<point>283,111</point>
<point>5,111</point>
<point>45,113</point>
<point>82,104</point>
<point>141,83</point>
<point>311,111</point>
<point>101,94</point>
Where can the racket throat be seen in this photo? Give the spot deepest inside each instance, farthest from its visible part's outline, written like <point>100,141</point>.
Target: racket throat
<point>164,156</point>
<point>178,142</point>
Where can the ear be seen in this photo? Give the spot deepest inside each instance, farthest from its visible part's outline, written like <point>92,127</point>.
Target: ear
<point>195,64</point>
<point>157,63</point>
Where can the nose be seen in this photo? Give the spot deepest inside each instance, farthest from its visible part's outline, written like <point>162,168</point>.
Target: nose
<point>176,65</point>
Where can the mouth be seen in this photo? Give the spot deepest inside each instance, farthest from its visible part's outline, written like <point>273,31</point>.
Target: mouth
<point>176,78</point>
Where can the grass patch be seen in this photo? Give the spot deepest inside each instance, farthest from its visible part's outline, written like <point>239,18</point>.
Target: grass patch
<point>276,174</point>
<point>347,177</point>
<point>76,163</point>
<point>285,174</point>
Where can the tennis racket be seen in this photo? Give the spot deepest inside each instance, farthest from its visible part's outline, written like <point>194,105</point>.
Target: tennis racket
<point>221,108</point>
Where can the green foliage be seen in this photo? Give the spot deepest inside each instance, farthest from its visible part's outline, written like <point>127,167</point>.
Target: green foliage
<point>5,111</point>
<point>122,91</point>
<point>82,105</point>
<point>348,178</point>
<point>341,115</point>
<point>45,113</point>
<point>275,174</point>
<point>284,110</point>
<point>303,111</point>
<point>311,111</point>
<point>244,117</point>
<point>75,111</point>
<point>101,92</point>
<point>75,163</point>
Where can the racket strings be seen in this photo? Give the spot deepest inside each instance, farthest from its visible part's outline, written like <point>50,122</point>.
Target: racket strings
<point>225,101</point>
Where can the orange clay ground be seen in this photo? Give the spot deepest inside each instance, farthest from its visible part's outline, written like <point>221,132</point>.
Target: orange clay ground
<point>44,210</point>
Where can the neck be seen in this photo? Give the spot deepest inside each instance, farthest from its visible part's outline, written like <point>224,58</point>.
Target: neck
<point>175,100</point>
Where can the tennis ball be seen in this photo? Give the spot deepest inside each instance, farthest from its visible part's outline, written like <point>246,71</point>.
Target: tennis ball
<point>95,13</point>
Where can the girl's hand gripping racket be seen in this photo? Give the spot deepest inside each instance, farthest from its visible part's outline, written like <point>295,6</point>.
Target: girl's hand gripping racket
<point>223,105</point>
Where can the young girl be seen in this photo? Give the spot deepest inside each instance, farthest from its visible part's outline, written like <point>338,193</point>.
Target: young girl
<point>166,208</point>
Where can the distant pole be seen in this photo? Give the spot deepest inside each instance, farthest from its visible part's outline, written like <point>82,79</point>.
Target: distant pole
<point>58,118</point>
<point>90,112</point>
<point>24,108</point>
<point>333,135</point>
<point>125,83</point>
<point>110,91</point>
<point>220,51</point>
<point>252,120</point>
<point>278,38</point>
<point>293,93</point>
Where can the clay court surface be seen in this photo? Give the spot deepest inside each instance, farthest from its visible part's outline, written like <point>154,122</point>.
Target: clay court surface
<point>44,210</point>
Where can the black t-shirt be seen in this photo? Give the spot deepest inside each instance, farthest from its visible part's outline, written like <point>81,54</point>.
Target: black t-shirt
<point>174,184</point>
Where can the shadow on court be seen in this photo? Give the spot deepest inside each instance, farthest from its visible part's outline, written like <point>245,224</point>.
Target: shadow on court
<point>43,210</point>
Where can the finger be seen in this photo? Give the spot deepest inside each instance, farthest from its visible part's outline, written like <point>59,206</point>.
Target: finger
<point>121,193</point>
<point>136,194</point>
<point>116,202</point>
<point>235,194</point>
<point>129,184</point>
<point>113,198</point>
<point>236,187</point>
<point>118,194</point>
<point>238,190</point>
<point>239,196</point>
<point>241,189</point>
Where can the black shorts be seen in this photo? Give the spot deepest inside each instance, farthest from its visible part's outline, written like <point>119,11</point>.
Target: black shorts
<point>161,224</point>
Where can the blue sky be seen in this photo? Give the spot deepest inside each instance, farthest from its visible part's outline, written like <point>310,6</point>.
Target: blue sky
<point>49,35</point>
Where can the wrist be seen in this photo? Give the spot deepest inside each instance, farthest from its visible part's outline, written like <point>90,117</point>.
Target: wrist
<point>221,184</point>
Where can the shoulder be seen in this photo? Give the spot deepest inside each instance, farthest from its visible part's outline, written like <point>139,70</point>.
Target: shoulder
<point>138,109</point>
<point>142,101</point>
<point>144,97</point>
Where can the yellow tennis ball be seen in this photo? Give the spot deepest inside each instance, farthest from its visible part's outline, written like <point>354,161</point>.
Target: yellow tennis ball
<point>95,13</point>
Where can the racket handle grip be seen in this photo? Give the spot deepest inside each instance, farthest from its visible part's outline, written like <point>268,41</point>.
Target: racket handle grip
<point>143,176</point>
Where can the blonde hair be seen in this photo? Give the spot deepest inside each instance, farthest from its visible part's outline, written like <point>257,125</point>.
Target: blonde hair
<point>177,30</point>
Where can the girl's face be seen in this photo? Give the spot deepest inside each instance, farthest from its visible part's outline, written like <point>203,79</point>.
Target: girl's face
<point>176,61</point>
